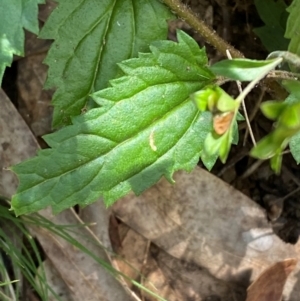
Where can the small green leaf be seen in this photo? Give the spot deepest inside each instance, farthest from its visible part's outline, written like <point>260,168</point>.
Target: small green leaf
<point>147,127</point>
<point>295,147</point>
<point>225,102</point>
<point>218,141</point>
<point>290,117</point>
<point>272,109</point>
<point>214,98</point>
<point>239,117</point>
<point>14,16</point>
<point>218,146</point>
<point>276,161</point>
<point>244,69</point>
<point>212,144</point>
<point>293,87</point>
<point>266,147</point>
<point>205,99</point>
<point>294,98</point>
<point>209,160</point>
<point>292,27</point>
<point>286,127</point>
<point>90,38</point>
<point>235,131</point>
<point>225,146</point>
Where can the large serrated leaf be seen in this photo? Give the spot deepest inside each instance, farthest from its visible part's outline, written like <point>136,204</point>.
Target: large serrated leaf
<point>14,16</point>
<point>91,37</point>
<point>292,27</point>
<point>147,127</point>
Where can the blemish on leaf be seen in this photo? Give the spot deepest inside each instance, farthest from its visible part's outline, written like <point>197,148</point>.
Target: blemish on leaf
<point>152,142</point>
<point>222,122</point>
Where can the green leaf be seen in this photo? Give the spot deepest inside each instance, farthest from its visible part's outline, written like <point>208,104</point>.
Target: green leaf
<point>216,146</point>
<point>287,127</point>
<point>14,16</point>
<point>266,147</point>
<point>292,87</point>
<point>287,116</point>
<point>272,34</point>
<point>205,99</point>
<point>225,102</point>
<point>219,145</point>
<point>244,69</point>
<point>295,147</point>
<point>147,127</point>
<point>276,162</point>
<point>225,147</point>
<point>294,98</point>
<point>209,160</point>
<point>239,117</point>
<point>272,109</point>
<point>213,144</point>
<point>223,130</point>
<point>290,117</point>
<point>91,37</point>
<point>235,130</point>
<point>214,98</point>
<point>292,27</point>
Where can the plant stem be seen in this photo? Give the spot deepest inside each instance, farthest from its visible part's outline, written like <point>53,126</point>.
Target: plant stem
<point>239,85</point>
<point>280,74</point>
<point>207,33</point>
<point>287,56</point>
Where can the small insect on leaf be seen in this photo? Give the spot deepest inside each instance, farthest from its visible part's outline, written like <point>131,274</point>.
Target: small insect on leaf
<point>222,122</point>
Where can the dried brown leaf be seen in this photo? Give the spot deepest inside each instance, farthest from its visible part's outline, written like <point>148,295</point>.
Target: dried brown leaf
<point>207,223</point>
<point>269,285</point>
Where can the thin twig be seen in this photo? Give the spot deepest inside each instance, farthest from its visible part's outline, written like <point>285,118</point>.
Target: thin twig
<point>146,254</point>
<point>291,175</point>
<point>290,194</point>
<point>239,85</point>
<point>249,128</point>
<point>255,109</point>
<point>252,169</point>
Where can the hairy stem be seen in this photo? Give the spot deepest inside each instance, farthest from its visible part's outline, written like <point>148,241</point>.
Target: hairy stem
<point>207,33</point>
